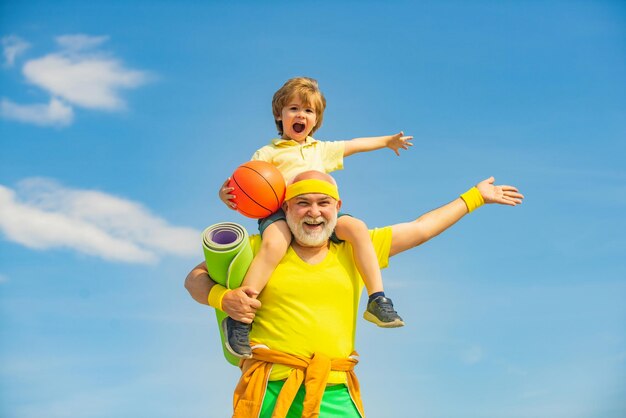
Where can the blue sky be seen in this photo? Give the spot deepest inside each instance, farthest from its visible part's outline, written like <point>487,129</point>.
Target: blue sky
<point>119,121</point>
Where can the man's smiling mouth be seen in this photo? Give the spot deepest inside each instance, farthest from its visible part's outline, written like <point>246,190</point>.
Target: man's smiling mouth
<point>313,225</point>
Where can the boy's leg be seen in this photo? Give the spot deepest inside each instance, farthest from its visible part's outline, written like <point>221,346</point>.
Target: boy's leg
<point>379,308</point>
<point>276,240</point>
<point>274,246</point>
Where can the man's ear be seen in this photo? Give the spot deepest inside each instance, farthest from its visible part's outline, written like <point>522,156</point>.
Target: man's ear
<point>338,205</point>
<point>284,206</point>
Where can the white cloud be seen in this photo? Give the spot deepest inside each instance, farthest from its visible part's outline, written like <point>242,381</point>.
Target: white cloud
<point>12,46</point>
<point>80,42</point>
<point>84,80</point>
<point>55,113</point>
<point>41,214</point>
<point>78,74</point>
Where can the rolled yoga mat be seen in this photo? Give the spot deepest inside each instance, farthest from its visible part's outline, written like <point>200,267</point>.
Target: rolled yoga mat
<point>228,255</point>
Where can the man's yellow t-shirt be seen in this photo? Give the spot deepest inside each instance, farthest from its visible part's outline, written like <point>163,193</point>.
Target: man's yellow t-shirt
<point>310,309</point>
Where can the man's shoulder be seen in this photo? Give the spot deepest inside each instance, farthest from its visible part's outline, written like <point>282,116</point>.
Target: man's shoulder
<point>377,233</point>
<point>379,236</point>
<point>381,240</point>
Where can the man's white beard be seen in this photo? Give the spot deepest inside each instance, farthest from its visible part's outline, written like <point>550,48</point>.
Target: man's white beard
<point>311,239</point>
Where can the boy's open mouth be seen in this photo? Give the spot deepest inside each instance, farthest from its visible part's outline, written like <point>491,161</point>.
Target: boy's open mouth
<point>298,127</point>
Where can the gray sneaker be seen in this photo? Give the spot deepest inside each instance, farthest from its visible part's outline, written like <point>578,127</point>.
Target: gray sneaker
<point>237,337</point>
<point>380,311</point>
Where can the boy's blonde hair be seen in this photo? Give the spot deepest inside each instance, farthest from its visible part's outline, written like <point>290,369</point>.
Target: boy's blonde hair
<point>309,93</point>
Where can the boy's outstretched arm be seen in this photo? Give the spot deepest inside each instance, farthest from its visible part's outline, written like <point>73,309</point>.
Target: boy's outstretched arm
<point>394,142</point>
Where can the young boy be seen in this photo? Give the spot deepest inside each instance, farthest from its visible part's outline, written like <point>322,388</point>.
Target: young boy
<point>298,108</point>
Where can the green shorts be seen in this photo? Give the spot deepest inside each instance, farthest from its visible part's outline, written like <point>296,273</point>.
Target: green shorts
<point>336,402</point>
<point>280,216</point>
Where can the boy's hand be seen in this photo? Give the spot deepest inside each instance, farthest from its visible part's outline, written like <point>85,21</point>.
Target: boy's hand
<point>504,195</point>
<point>225,195</point>
<point>241,304</point>
<point>397,141</point>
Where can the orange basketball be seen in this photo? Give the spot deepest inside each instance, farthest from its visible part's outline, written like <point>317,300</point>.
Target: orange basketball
<point>259,189</point>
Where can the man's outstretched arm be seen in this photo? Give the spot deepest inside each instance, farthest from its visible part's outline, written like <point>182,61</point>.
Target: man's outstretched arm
<point>240,304</point>
<point>411,234</point>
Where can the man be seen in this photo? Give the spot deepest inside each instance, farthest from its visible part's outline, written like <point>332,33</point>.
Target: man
<point>303,335</point>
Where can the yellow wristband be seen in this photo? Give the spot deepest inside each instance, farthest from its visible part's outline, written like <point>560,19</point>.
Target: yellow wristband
<point>216,294</point>
<point>473,199</point>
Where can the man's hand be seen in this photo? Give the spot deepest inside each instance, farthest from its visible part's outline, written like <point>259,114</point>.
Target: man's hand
<point>504,195</point>
<point>241,304</point>
<point>399,141</point>
<point>225,195</point>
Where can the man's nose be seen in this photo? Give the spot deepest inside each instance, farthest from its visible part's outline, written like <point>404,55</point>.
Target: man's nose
<point>314,211</point>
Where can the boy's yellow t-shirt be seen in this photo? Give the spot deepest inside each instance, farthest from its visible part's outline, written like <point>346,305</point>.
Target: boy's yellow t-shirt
<point>310,309</point>
<point>292,158</point>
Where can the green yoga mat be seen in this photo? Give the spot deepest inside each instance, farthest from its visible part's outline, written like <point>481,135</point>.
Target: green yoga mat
<point>228,255</point>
